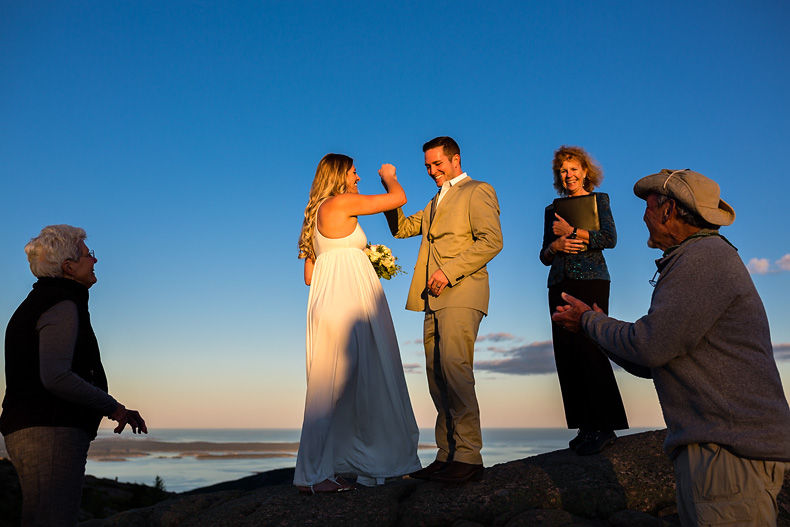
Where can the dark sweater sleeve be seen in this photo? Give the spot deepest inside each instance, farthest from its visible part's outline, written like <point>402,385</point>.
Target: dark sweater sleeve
<point>548,234</point>
<point>57,336</point>
<point>606,237</point>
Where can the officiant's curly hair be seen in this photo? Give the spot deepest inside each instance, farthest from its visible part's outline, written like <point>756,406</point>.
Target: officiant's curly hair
<point>330,180</point>
<point>566,153</point>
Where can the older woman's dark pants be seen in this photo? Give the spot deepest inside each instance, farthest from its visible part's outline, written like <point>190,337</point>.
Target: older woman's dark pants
<point>589,390</point>
<point>50,463</point>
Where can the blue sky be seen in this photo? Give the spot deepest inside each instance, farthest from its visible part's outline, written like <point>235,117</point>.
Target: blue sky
<point>183,136</point>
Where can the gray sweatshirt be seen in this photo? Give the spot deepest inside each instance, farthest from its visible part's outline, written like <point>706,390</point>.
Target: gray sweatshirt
<point>707,343</point>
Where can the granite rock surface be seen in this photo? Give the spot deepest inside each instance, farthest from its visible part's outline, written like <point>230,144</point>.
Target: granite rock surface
<point>631,484</point>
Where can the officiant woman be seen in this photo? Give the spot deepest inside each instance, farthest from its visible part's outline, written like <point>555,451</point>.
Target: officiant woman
<point>589,390</point>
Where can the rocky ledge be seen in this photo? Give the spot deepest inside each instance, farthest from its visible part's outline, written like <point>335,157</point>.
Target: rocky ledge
<point>630,484</point>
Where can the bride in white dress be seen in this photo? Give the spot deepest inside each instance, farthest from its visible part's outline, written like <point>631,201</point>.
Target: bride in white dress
<point>358,419</point>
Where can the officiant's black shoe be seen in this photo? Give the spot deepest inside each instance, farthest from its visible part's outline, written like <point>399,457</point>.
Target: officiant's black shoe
<point>581,436</point>
<point>458,472</point>
<point>425,473</point>
<point>595,442</point>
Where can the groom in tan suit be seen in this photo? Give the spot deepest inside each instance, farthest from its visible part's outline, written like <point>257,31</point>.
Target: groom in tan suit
<point>460,234</point>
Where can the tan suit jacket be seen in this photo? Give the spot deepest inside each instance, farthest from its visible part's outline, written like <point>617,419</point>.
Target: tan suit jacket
<point>464,235</point>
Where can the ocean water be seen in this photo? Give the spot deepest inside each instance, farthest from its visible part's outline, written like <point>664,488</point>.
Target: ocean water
<point>183,472</point>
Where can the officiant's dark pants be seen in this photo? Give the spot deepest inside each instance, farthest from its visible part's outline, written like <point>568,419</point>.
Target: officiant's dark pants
<point>589,389</point>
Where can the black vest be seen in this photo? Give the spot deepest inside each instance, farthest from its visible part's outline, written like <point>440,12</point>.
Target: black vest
<point>27,403</point>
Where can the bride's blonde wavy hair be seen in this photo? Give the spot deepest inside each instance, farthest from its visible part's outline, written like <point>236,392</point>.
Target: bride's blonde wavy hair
<point>330,180</point>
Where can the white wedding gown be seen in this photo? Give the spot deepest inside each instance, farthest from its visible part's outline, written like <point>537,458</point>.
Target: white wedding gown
<point>358,418</point>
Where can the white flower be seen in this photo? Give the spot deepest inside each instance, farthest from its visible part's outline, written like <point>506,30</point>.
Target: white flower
<point>383,261</point>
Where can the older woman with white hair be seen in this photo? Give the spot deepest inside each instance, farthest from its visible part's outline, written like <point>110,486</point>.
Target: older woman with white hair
<point>56,389</point>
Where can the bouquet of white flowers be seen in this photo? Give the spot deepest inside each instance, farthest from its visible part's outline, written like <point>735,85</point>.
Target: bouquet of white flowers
<point>383,261</point>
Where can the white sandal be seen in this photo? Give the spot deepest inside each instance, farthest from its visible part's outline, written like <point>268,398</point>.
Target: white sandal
<point>335,484</point>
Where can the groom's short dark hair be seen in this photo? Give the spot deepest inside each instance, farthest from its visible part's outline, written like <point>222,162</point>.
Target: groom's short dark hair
<point>448,144</point>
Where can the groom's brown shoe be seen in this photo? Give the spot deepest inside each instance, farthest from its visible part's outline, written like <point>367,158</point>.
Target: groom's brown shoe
<point>458,472</point>
<point>425,473</point>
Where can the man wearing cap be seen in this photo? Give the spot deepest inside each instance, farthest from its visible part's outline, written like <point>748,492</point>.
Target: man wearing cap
<point>706,344</point>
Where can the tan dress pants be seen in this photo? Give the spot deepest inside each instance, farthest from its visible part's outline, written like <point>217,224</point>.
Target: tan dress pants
<point>449,340</point>
<point>716,487</point>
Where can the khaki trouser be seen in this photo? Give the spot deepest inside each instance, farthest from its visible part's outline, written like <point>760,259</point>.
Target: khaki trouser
<point>716,487</point>
<point>449,340</point>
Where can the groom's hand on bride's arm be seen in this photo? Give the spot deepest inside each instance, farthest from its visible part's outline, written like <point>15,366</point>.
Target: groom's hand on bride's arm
<point>437,282</point>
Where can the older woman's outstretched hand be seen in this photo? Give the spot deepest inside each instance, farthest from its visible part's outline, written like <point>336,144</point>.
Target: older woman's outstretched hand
<point>130,417</point>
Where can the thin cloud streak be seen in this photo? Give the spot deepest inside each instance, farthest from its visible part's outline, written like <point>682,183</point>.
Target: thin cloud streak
<point>412,368</point>
<point>497,337</point>
<point>536,358</point>
<point>782,352</point>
